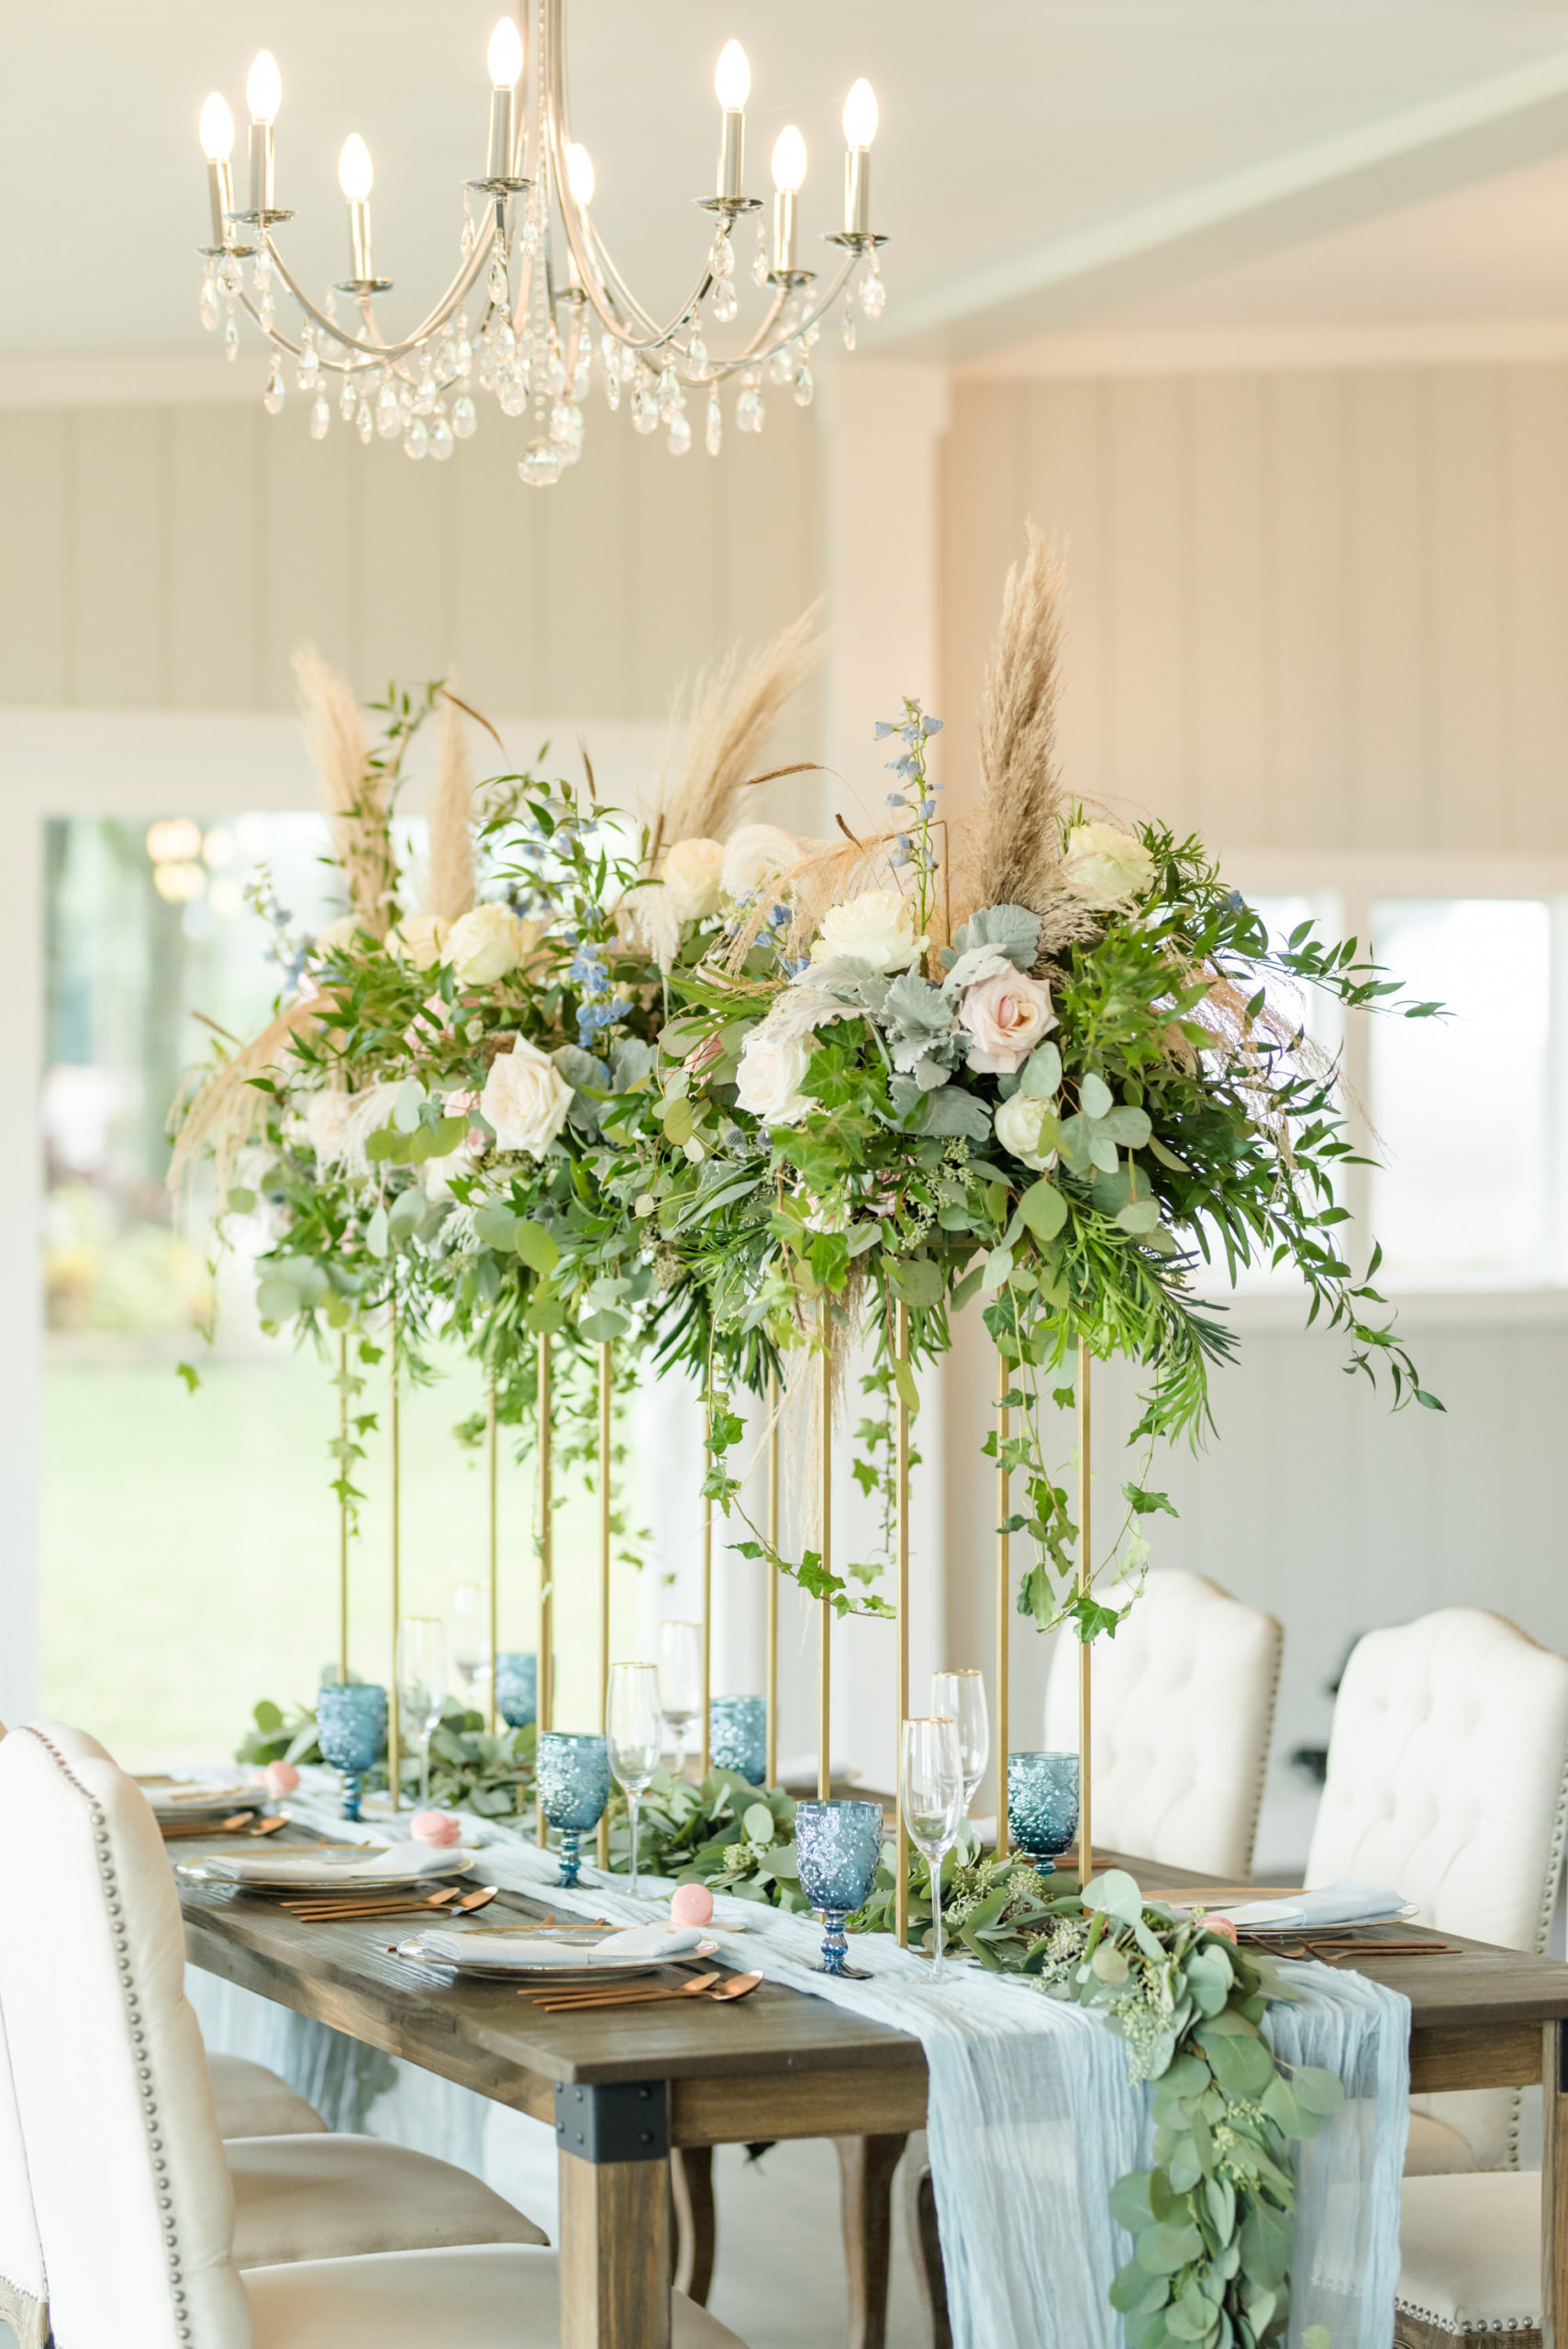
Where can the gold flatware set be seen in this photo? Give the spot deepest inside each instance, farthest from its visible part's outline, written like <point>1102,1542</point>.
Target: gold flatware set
<point>584,1999</point>
<point>320,1907</point>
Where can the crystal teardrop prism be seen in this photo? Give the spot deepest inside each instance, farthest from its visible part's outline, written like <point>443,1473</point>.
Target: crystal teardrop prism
<point>540,468</point>
<point>228,280</point>
<point>803,386</point>
<point>347,398</point>
<point>873,293</point>
<point>749,410</point>
<point>231,338</point>
<point>498,289</point>
<point>724,302</point>
<point>721,257</point>
<point>715,434</point>
<point>466,417</point>
<point>272,398</point>
<point>416,440</point>
<point>209,309</point>
<point>442,442</point>
<point>388,414</point>
<point>849,321</point>
<point>644,410</point>
<point>365,423</point>
<point>679,442</point>
<point>320,416</point>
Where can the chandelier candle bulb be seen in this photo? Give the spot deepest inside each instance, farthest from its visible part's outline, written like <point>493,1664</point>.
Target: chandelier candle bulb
<point>356,176</point>
<point>505,59</point>
<point>263,95</point>
<point>789,173</point>
<point>732,86</point>
<point>218,145</point>
<point>860,130</point>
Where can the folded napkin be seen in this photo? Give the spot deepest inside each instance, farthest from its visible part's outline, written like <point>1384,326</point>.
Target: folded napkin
<point>208,1794</point>
<point>397,1862</point>
<point>1334,1904</point>
<point>534,1949</point>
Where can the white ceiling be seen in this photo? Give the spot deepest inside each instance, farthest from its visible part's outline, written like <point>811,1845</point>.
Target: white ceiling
<point>1041,163</point>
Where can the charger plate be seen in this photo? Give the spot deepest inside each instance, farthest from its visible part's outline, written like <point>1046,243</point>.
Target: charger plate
<point>270,1873</point>
<point>482,1966</point>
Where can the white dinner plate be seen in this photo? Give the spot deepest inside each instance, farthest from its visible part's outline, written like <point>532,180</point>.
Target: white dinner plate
<point>270,1873</point>
<point>565,1977</point>
<point>196,1802</point>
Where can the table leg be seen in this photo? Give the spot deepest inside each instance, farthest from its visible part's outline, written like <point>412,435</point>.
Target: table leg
<point>866,2165</point>
<point>691,2177</point>
<point>1554,2187</point>
<point>925,2249</point>
<point>614,2147</point>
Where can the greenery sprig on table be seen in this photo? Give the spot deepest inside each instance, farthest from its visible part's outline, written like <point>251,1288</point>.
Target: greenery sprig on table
<point>470,1769</point>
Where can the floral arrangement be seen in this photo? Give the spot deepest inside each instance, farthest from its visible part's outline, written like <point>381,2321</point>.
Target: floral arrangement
<point>470,1770</point>
<point>721,1832</point>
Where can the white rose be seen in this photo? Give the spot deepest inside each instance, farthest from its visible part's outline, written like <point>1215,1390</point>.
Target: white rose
<point>418,938</point>
<point>1106,867</point>
<point>1019,1122</point>
<point>693,874</point>
<point>325,1124</point>
<point>525,1099</point>
<point>757,854</point>
<point>767,1082</point>
<point>1006,1015</point>
<point>485,945</point>
<point>333,936</point>
<point>878,929</point>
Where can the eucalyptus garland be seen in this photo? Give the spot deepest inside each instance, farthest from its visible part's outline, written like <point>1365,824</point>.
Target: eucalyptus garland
<point>471,1769</point>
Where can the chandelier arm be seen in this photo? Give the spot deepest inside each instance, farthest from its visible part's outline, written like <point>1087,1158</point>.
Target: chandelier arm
<point>380,350</point>
<point>755,355</point>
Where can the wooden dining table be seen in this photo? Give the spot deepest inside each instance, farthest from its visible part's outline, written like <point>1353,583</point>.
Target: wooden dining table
<point>624,2089</point>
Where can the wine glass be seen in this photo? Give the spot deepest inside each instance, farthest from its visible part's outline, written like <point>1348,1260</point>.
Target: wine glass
<point>959,1696</point>
<point>634,1724</point>
<point>422,1683</point>
<point>680,1680</point>
<point>573,1787</point>
<point>837,1848</point>
<point>931,1787</point>
<point>469,1616</point>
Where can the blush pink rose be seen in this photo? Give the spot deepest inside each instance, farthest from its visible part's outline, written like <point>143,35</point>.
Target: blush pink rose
<point>702,1056</point>
<point>1006,1017</point>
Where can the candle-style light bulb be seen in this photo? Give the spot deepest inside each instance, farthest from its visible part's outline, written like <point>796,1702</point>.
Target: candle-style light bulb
<point>264,88</point>
<point>504,54</point>
<point>356,177</point>
<point>860,130</point>
<point>580,173</point>
<point>732,86</point>
<point>263,95</point>
<point>505,59</point>
<point>789,173</point>
<point>216,132</point>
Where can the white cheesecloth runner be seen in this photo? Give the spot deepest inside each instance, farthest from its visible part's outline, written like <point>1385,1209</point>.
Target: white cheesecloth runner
<point>1031,2116</point>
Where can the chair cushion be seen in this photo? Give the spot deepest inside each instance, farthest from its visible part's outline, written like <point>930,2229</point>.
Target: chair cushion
<point>251,2102</point>
<point>1183,1706</point>
<point>21,2256</point>
<point>330,2197</point>
<point>1470,2251</point>
<point>1434,2148</point>
<point>495,2298</point>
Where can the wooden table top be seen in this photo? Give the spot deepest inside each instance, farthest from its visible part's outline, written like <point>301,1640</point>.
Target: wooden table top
<point>1476,2012</point>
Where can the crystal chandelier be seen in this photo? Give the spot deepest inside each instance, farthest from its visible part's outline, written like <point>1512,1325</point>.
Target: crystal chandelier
<point>535,287</point>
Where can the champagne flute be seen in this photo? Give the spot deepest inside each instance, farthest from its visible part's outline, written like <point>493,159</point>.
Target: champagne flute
<point>680,1680</point>
<point>930,1786</point>
<point>422,1670</point>
<point>469,1615</point>
<point>634,1725</point>
<point>959,1696</point>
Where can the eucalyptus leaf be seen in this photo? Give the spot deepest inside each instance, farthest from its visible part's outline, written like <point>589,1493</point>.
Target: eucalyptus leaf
<point>497,1227</point>
<point>1041,1077</point>
<point>535,1246</point>
<point>1094,1096</point>
<point>376,1232</point>
<point>1043,1208</point>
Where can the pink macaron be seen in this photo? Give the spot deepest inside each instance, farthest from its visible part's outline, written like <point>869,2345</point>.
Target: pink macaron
<point>282,1777</point>
<point>691,1904</point>
<point>436,1827</point>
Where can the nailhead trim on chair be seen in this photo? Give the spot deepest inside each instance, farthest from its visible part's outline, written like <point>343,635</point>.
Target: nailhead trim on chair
<point>151,2121</point>
<point>1268,1743</point>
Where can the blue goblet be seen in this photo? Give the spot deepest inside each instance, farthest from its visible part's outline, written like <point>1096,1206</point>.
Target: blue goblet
<point>516,1688</point>
<point>838,1846</point>
<point>738,1736</point>
<point>574,1780</point>
<point>1042,1806</point>
<point>351,1729</point>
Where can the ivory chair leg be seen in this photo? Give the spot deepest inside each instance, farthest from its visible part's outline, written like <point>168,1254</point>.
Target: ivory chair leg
<point>866,2165</point>
<point>926,2250</point>
<point>690,2183</point>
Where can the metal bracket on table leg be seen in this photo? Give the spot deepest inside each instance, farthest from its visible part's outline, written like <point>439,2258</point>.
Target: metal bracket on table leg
<point>623,2121</point>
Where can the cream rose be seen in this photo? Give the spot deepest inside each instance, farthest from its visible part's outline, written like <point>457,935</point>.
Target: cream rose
<point>767,1082</point>
<point>1006,1016</point>
<point>878,929</point>
<point>757,854</point>
<point>1106,867</point>
<point>333,936</point>
<point>525,1099</point>
<point>693,874</point>
<point>1019,1122</point>
<point>485,945</point>
<point>418,938</point>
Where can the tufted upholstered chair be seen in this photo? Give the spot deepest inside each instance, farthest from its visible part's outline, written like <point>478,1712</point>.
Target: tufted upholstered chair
<point>135,2202</point>
<point>1183,1706</point>
<point>1469,2262</point>
<point>1448,1778</point>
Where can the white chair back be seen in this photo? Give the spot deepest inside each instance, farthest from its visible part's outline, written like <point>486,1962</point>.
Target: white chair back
<point>1182,1710</point>
<point>21,2256</point>
<point>1448,1781</point>
<point>128,2178</point>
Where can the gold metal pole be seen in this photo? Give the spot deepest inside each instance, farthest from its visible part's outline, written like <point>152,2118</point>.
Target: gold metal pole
<point>705,1757</point>
<point>492,1456</point>
<point>605,1353</point>
<point>1003,1599</point>
<point>773,1431</point>
<point>824,1613</point>
<point>394,1726</point>
<point>343,1508</point>
<point>1085,1570</point>
<point>901,1831</point>
<point>544,1671</point>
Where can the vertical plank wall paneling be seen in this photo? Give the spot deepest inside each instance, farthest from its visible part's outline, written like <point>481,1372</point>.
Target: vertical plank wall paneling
<point>1307,609</point>
<point>1315,610</point>
<point>171,557</point>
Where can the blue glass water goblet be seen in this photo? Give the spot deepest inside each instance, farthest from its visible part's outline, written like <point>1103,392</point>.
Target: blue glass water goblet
<point>351,1729</point>
<point>738,1736</point>
<point>837,1847</point>
<point>1042,1806</point>
<point>516,1688</point>
<point>573,1787</point>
